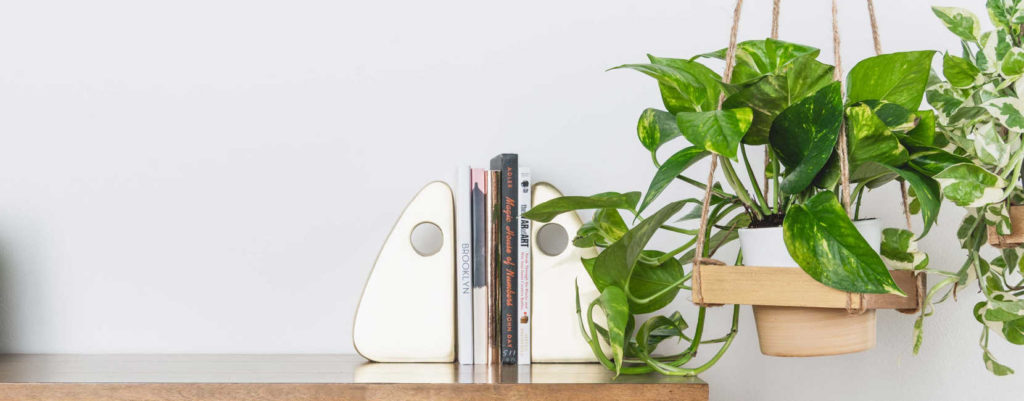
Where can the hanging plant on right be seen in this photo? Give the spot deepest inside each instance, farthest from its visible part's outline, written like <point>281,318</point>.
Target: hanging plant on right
<point>979,109</point>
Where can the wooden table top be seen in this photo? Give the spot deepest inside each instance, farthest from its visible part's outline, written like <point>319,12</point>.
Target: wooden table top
<point>315,377</point>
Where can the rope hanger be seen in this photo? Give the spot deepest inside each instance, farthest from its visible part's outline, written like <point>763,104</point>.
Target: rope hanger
<point>730,59</point>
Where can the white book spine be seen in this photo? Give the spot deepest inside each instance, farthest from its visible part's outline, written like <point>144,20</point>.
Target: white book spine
<point>525,268</point>
<point>463,267</point>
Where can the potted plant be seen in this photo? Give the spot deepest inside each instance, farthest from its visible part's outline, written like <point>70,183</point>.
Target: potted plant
<point>780,98</point>
<point>979,109</point>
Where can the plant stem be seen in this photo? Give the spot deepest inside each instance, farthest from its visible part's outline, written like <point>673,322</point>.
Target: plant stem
<point>860,196</point>
<point>676,251</point>
<point>703,187</point>
<point>775,179</point>
<point>753,180</point>
<point>741,191</point>
<point>679,229</point>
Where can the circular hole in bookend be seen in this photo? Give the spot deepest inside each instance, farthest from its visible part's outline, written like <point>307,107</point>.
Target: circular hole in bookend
<point>426,239</point>
<point>552,239</point>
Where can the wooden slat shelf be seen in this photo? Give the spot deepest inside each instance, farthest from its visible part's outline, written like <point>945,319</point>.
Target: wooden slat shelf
<point>59,377</point>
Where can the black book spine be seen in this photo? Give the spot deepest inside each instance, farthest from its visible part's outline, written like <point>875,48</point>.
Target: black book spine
<point>508,256</point>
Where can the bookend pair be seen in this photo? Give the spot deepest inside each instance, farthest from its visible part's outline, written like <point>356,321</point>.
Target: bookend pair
<point>407,309</point>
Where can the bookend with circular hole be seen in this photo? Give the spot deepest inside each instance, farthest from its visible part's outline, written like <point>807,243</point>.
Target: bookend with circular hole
<point>407,309</point>
<point>556,333</point>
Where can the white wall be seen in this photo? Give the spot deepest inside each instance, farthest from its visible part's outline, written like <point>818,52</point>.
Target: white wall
<point>217,176</point>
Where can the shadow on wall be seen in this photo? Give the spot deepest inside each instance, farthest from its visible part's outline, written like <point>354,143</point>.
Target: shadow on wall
<point>7,300</point>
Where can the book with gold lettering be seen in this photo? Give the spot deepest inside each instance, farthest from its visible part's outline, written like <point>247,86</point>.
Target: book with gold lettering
<point>507,164</point>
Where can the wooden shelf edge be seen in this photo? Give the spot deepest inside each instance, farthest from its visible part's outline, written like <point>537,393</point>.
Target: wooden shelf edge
<point>349,391</point>
<point>789,286</point>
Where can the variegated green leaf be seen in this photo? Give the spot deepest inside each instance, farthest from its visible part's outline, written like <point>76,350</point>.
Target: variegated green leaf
<point>1009,111</point>
<point>768,96</point>
<point>960,21</point>
<point>1013,63</point>
<point>959,72</point>
<point>685,85</point>
<point>989,145</point>
<point>968,185</point>
<point>616,308</point>
<point>825,243</point>
<point>944,99</point>
<point>994,47</point>
<point>757,58</point>
<point>1005,13</point>
<point>870,140</point>
<point>656,127</point>
<point>716,131</point>
<point>900,252</point>
<point>805,134</point>
<point>546,211</point>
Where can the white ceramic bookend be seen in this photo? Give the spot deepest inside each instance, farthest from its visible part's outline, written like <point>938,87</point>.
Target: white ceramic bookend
<point>556,270</point>
<point>407,310</point>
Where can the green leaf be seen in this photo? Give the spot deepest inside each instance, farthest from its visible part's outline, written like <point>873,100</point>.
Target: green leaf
<point>772,94</point>
<point>685,85</point>
<point>647,280</point>
<point>923,133</point>
<point>1013,63</point>
<point>931,161</point>
<point>668,171</point>
<point>898,78</point>
<point>870,140</point>
<point>655,128</point>
<point>959,72</point>
<point>716,131</point>
<point>546,211</point>
<point>960,21</point>
<point>614,265</point>
<point>616,309</point>
<point>944,99</point>
<point>826,245</point>
<point>994,47</point>
<point>604,229</point>
<point>658,329</point>
<point>989,146</point>
<point>894,116</point>
<point>805,134</point>
<point>929,195</point>
<point>1005,13</point>
<point>968,185</point>
<point>993,366</point>
<point>757,58</point>
<point>1009,111</point>
<point>899,250</point>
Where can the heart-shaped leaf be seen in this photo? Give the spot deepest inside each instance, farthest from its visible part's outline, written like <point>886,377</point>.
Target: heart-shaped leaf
<point>804,136</point>
<point>960,21</point>
<point>757,58</point>
<point>772,94</point>
<point>968,185</point>
<point>614,265</point>
<point>960,72</point>
<point>648,280</point>
<point>899,250</point>
<point>716,131</point>
<point>658,329</point>
<point>929,194</point>
<point>898,78</point>
<point>826,245</point>
<point>655,128</point>
<point>870,140</point>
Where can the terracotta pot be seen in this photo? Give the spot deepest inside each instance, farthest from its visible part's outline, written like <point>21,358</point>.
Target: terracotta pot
<point>797,331</point>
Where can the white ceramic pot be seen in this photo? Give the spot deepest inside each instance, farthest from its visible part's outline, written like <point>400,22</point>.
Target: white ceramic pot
<point>796,331</point>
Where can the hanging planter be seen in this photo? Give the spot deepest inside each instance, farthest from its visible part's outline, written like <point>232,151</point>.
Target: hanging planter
<point>814,279</point>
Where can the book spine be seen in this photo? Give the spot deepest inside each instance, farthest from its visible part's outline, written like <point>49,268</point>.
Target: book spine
<point>478,211</point>
<point>493,223</point>
<point>525,266</point>
<point>463,266</point>
<point>508,255</point>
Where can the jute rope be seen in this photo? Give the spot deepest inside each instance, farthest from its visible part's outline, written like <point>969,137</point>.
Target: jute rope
<point>837,74</point>
<point>775,35</point>
<point>919,278</point>
<point>875,37</point>
<point>698,253</point>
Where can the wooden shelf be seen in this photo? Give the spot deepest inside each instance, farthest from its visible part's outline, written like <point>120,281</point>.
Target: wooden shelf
<point>59,377</point>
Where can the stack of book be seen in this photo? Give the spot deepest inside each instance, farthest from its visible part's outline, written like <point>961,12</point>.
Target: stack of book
<point>493,263</point>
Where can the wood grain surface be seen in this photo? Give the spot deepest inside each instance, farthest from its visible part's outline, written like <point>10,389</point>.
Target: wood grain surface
<point>316,377</point>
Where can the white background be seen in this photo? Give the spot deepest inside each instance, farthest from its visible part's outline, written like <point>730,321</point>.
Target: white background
<point>217,176</point>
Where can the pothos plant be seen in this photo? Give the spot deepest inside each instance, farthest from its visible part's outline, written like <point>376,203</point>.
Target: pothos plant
<point>782,98</point>
<point>980,112</point>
